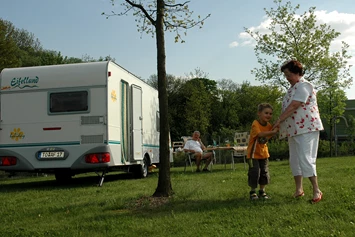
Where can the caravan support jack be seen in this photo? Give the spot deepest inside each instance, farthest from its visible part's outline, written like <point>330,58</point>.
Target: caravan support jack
<point>102,177</point>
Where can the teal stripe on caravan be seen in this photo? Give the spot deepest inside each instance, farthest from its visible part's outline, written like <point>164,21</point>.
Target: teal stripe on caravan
<point>114,142</point>
<point>74,143</point>
<point>151,145</point>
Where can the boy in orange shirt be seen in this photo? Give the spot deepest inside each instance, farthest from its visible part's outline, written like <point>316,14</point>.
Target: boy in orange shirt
<point>258,153</point>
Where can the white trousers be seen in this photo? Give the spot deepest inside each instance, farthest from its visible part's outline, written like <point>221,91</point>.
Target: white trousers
<point>303,154</point>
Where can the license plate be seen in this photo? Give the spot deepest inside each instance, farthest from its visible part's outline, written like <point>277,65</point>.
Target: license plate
<point>51,154</point>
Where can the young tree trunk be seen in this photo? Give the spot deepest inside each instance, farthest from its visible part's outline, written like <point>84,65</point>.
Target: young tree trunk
<point>164,188</point>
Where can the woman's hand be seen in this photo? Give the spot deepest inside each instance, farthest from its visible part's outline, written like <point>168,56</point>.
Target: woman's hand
<point>276,125</point>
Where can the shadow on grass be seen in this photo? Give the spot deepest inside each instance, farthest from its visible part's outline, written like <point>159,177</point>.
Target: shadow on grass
<point>77,181</point>
<point>173,207</point>
<point>22,183</point>
<point>216,168</point>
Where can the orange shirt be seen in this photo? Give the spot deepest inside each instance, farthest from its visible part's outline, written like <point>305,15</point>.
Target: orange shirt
<point>257,147</point>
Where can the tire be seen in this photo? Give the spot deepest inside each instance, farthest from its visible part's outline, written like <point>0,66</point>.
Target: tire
<point>141,171</point>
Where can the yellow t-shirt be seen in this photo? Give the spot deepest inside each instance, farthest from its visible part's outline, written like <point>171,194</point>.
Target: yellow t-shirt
<point>257,147</point>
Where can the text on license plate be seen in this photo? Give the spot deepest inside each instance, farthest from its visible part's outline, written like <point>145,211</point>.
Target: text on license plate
<point>52,154</point>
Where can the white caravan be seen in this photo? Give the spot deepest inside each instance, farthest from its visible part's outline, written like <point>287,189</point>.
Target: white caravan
<point>75,118</point>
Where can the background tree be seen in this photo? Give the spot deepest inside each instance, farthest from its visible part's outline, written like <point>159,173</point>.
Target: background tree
<point>8,47</point>
<point>351,128</point>
<point>197,73</point>
<point>198,95</point>
<point>155,17</point>
<point>225,106</point>
<point>301,38</point>
<point>20,48</point>
<point>30,48</point>
<point>331,106</point>
<point>250,96</point>
<point>176,103</point>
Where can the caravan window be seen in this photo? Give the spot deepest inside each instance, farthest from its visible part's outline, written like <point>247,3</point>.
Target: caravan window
<point>72,101</point>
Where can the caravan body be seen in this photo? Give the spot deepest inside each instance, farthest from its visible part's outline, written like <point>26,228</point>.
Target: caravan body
<point>75,118</point>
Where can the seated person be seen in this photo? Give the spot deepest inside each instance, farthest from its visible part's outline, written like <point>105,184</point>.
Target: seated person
<point>196,147</point>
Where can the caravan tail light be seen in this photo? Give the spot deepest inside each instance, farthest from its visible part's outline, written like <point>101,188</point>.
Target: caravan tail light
<point>95,158</point>
<point>7,160</point>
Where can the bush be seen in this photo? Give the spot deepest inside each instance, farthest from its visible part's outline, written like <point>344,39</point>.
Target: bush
<point>346,148</point>
<point>278,149</point>
<point>324,148</point>
<point>179,159</point>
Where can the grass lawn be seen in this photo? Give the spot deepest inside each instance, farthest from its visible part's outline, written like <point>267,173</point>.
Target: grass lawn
<point>204,204</point>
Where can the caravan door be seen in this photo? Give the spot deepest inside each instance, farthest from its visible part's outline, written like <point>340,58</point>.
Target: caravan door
<point>137,130</point>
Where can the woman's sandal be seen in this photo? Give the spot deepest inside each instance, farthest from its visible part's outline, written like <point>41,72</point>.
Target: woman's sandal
<point>298,195</point>
<point>315,200</point>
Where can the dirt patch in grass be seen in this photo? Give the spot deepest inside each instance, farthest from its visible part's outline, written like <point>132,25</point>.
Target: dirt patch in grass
<point>144,204</point>
<point>150,202</point>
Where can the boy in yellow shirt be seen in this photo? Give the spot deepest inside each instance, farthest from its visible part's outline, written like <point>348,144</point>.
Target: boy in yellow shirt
<point>258,153</point>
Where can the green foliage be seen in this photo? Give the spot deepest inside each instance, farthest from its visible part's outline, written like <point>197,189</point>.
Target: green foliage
<point>346,148</point>
<point>198,103</point>
<point>300,37</point>
<point>324,148</point>
<point>215,108</point>
<point>251,96</point>
<point>223,136</point>
<point>227,106</point>
<point>331,104</point>
<point>8,47</point>
<point>179,159</point>
<point>278,149</point>
<point>351,129</point>
<point>20,48</point>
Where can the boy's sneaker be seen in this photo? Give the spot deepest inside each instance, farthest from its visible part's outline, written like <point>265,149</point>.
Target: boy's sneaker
<point>263,195</point>
<point>253,195</point>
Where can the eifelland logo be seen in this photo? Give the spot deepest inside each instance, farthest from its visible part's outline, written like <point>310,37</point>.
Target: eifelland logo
<point>25,82</point>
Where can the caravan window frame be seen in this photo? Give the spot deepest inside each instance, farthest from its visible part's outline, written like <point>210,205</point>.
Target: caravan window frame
<point>78,111</point>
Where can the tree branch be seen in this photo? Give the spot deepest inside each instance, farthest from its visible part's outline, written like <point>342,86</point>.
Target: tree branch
<point>139,6</point>
<point>168,24</point>
<point>177,5</point>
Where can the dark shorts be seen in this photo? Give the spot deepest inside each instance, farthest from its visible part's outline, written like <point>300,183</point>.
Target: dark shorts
<point>258,173</point>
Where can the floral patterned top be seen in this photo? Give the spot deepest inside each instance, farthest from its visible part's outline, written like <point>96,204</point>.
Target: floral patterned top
<point>306,118</point>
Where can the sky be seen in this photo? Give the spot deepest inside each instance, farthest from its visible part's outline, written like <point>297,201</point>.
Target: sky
<point>220,49</point>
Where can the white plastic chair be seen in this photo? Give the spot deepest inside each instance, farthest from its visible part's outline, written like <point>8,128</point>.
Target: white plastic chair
<point>241,139</point>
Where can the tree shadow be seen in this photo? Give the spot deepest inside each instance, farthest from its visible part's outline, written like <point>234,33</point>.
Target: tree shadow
<point>75,182</point>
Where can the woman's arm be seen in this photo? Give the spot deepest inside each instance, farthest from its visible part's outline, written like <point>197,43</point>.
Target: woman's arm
<point>268,134</point>
<point>288,112</point>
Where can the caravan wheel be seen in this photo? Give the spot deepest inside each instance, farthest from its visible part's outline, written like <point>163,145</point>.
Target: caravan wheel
<point>141,171</point>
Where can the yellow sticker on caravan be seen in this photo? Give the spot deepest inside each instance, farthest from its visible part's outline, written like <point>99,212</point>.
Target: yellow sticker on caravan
<point>17,134</point>
<point>113,96</point>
